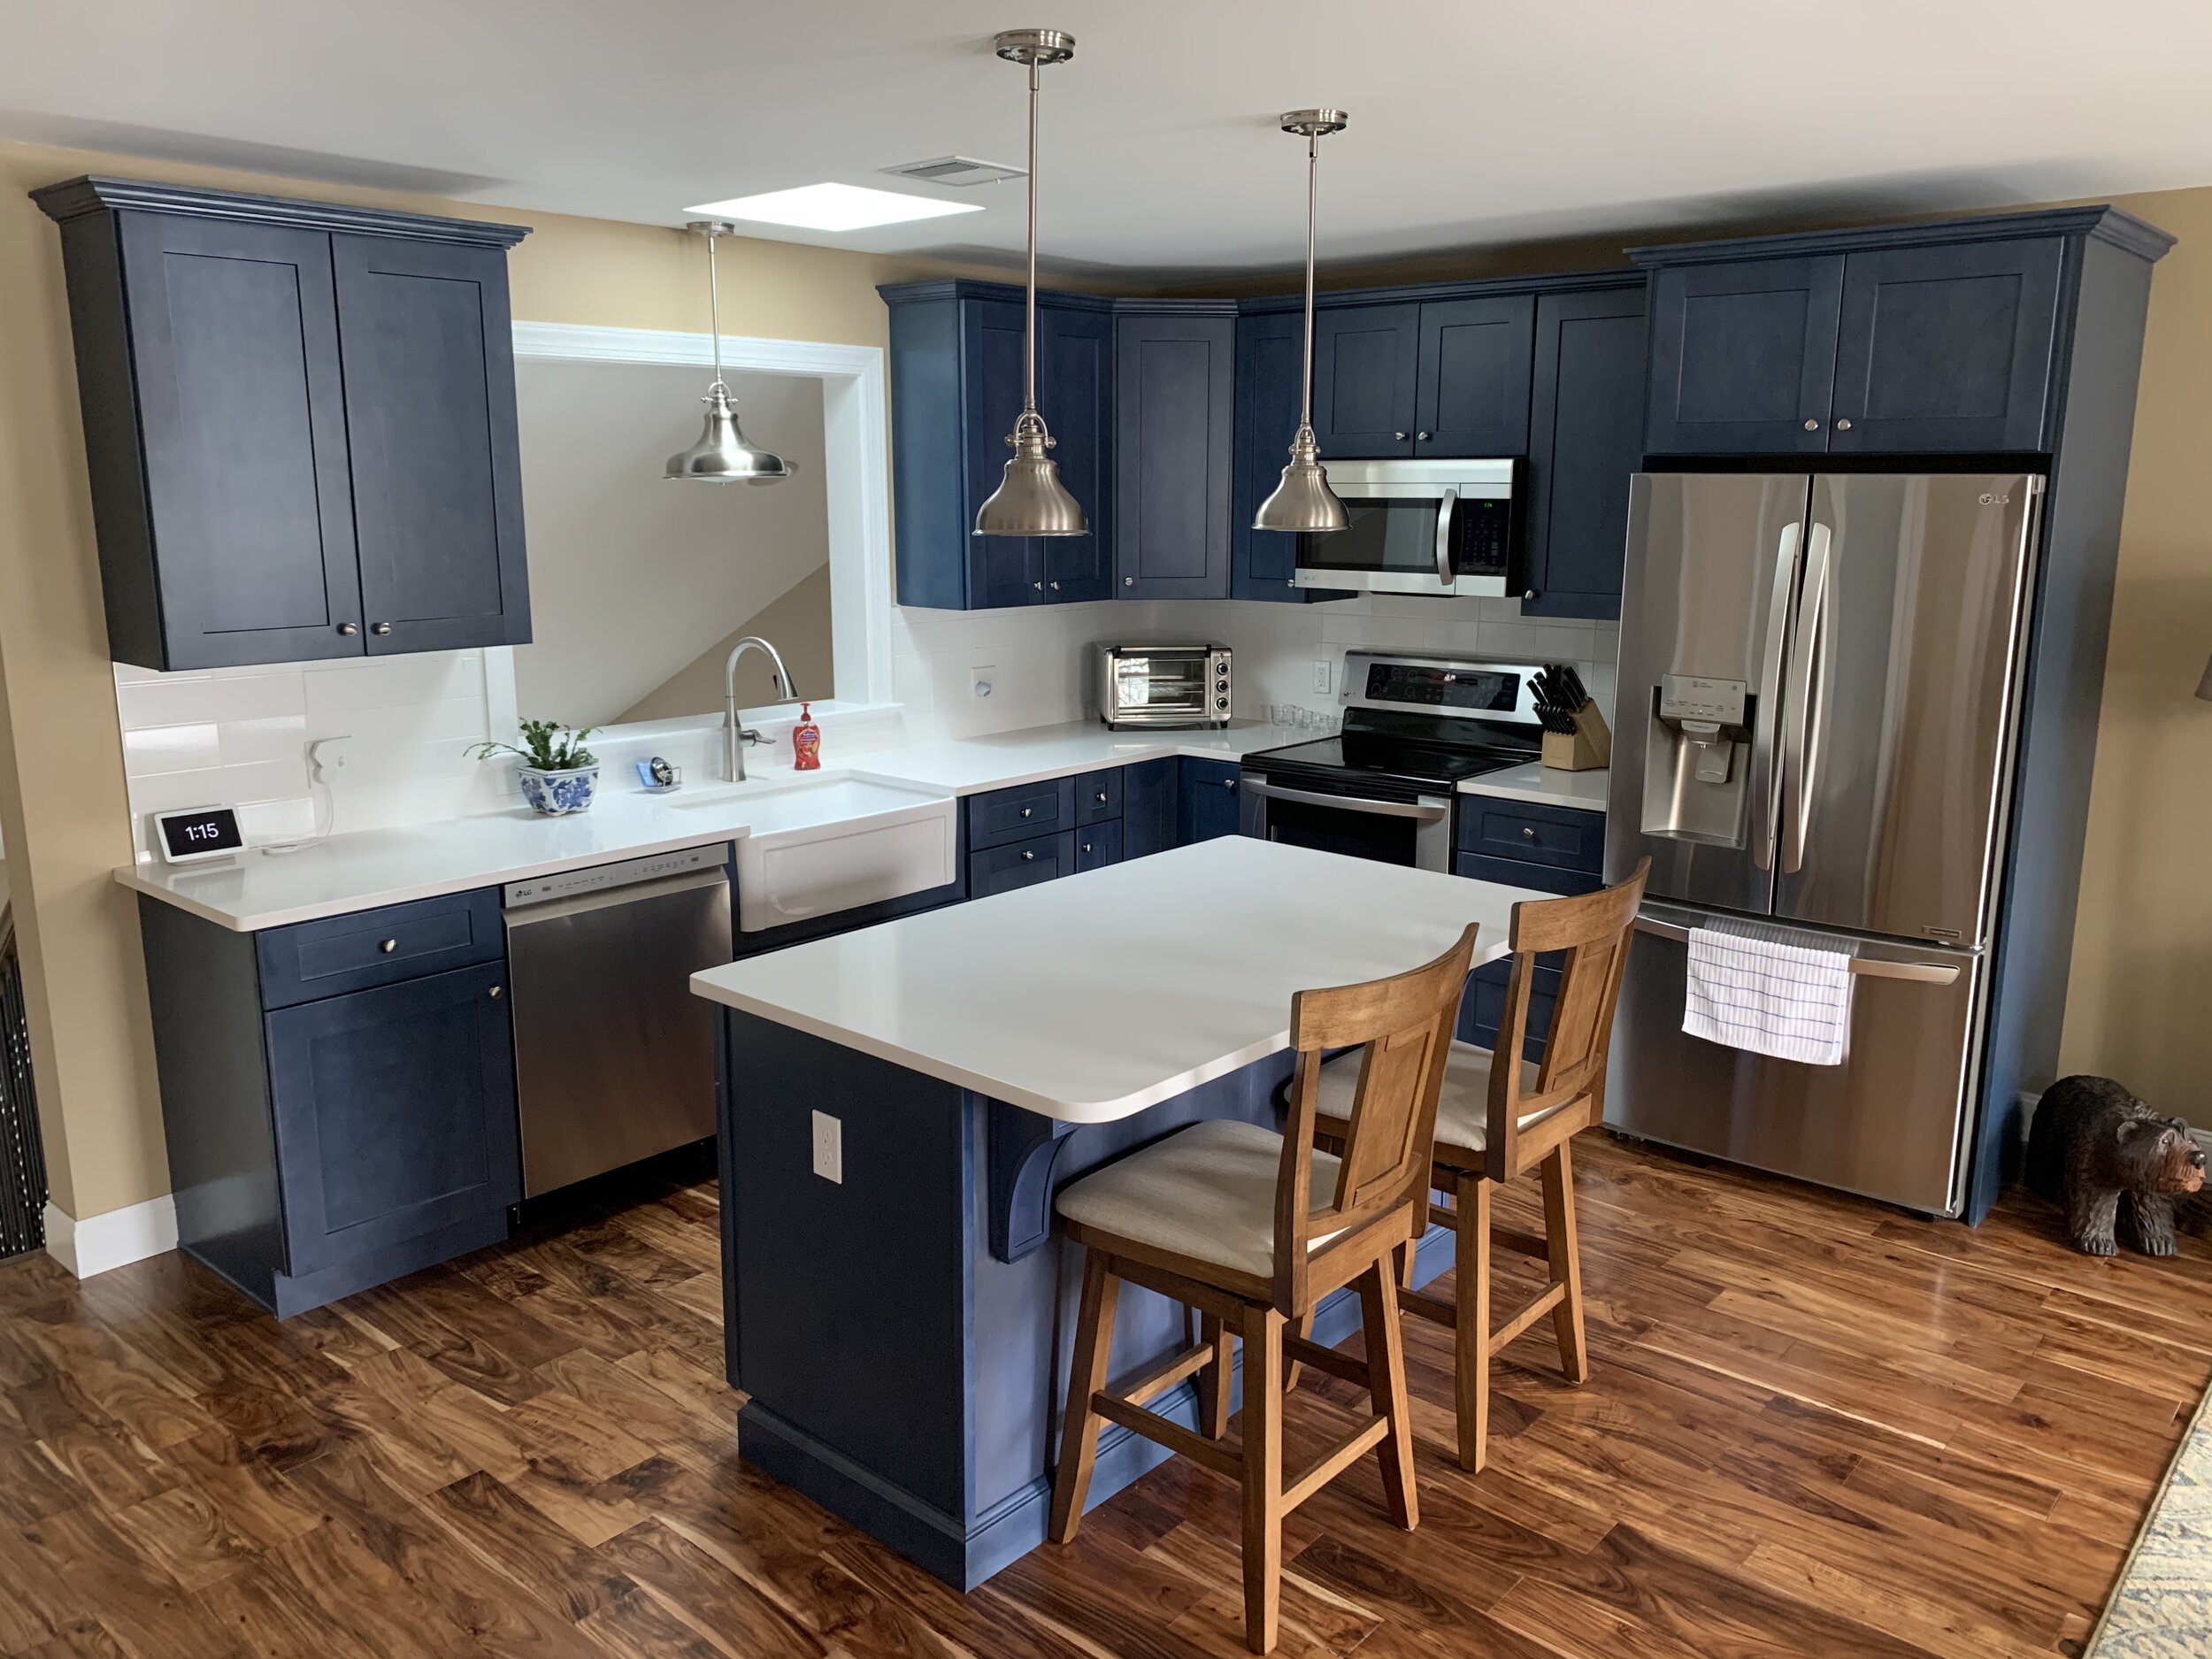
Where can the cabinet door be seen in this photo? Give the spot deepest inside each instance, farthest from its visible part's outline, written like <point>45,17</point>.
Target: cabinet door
<point>395,1113</point>
<point>1474,378</point>
<point>1021,865</point>
<point>1098,845</point>
<point>1743,357</point>
<point>1946,348</point>
<point>241,416</point>
<point>1270,357</point>
<point>1366,367</point>
<point>430,419</point>
<point>1174,409</point>
<point>1075,378</point>
<point>1586,440</point>
<point>1149,795</point>
<point>1208,805</point>
<point>1002,569</point>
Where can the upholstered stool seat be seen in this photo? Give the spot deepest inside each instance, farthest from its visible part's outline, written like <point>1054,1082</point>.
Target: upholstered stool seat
<point>1463,1110</point>
<point>1206,1193</point>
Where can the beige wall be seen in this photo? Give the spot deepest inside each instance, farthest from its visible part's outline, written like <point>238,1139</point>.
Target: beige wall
<point>797,624</point>
<point>63,816</point>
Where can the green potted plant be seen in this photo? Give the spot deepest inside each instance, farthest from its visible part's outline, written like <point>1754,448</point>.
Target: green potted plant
<point>560,775</point>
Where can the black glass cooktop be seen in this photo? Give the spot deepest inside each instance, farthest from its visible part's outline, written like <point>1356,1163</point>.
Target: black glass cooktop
<point>1387,764</point>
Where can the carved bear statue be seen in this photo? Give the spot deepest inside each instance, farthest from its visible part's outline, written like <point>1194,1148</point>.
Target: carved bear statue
<point>2092,1143</point>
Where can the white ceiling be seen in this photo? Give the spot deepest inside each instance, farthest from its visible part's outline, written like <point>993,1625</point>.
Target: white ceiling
<point>1472,123</point>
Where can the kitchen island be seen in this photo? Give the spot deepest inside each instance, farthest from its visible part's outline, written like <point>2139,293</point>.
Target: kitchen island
<point>903,1103</point>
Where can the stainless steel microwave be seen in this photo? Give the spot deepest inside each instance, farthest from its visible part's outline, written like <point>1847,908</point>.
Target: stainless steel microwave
<point>1451,528</point>
<point>1164,684</point>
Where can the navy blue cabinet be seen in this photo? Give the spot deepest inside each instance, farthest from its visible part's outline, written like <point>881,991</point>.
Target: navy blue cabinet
<point>1270,357</point>
<point>1098,845</point>
<point>956,351</point>
<point>394,1114</point>
<point>299,422</point>
<point>1586,440</point>
<point>1366,375</point>
<point>1523,844</point>
<point>1174,451</point>
<point>1021,865</point>
<point>1149,798</point>
<point>1471,394</point>
<point>1208,804</point>
<point>1743,357</point>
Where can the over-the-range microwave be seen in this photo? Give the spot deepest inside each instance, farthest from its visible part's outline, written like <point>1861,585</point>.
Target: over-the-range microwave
<point>1447,527</point>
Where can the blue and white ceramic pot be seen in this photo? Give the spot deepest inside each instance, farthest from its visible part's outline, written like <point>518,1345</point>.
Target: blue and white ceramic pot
<point>557,793</point>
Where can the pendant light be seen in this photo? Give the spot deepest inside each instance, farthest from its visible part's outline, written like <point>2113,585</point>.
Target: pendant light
<point>1303,502</point>
<point>722,456</point>
<point>1030,499</point>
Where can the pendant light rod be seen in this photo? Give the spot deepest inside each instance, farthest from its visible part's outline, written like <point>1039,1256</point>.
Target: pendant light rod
<point>1303,503</point>
<point>1029,316</point>
<point>1313,205</point>
<point>714,230</point>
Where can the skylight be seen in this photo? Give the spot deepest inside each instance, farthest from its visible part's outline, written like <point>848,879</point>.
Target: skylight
<point>832,207</point>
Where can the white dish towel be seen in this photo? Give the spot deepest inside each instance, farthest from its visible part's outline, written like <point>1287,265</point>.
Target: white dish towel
<point>1769,996</point>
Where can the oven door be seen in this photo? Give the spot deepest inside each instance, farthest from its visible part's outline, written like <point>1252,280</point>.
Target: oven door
<point>1416,833</point>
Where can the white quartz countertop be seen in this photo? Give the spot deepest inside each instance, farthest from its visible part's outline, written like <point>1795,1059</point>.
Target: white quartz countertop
<point>1091,998</point>
<point>1543,786</point>
<point>367,868</point>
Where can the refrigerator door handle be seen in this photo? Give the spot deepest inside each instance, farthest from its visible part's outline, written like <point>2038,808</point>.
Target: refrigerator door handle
<point>1763,801</point>
<point>1800,736</point>
<point>1869,967</point>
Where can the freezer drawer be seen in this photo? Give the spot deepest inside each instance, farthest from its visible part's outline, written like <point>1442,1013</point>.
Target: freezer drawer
<point>1887,1122</point>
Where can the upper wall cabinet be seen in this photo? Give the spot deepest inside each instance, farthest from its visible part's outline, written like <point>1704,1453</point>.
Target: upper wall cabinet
<point>1584,441</point>
<point>300,425</point>
<point>955,390</point>
<point>1174,448</point>
<point>1270,357</point>
<point>1443,376</point>
<point>1912,339</point>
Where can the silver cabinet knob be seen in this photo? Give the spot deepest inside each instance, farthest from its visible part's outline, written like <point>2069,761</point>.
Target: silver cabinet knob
<point>1528,833</point>
<point>497,992</point>
<point>388,946</point>
<point>349,628</point>
<point>380,628</point>
<point>1100,797</point>
<point>1128,582</point>
<point>1029,858</point>
<point>1087,846</point>
<point>1844,425</point>
<point>1397,435</point>
<point>1812,425</point>
<point>1055,587</point>
<point>1028,811</point>
<point>1530,594</point>
<point>1040,587</point>
<point>1228,783</point>
<point>1423,436</point>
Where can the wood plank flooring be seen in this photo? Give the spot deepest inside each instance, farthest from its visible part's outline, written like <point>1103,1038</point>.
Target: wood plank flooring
<point>1814,1427</point>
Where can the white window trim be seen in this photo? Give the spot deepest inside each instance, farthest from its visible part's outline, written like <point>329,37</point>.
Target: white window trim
<point>856,464</point>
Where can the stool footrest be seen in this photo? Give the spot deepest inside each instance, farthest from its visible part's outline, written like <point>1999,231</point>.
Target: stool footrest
<point>1527,1317</point>
<point>1299,1349</point>
<point>1335,1460</point>
<point>1166,1374</point>
<point>1208,1453</point>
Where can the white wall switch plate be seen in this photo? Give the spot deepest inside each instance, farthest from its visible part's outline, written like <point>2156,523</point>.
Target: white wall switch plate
<point>829,1148</point>
<point>1321,675</point>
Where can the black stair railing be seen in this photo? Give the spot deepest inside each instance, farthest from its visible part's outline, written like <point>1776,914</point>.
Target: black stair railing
<point>22,1154</point>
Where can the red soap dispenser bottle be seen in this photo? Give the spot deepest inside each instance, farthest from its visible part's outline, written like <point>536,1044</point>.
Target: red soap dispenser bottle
<point>806,742</point>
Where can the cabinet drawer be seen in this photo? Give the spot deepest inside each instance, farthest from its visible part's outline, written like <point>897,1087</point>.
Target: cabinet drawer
<point>1021,865</point>
<point>1521,829</point>
<point>1098,845</point>
<point>1098,795</point>
<point>1011,815</point>
<point>370,948</point>
<point>1518,872</point>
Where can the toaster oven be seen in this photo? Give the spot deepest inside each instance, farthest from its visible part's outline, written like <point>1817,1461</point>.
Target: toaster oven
<point>1164,684</point>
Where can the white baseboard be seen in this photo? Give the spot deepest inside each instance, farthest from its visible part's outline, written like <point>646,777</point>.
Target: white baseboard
<point>115,1239</point>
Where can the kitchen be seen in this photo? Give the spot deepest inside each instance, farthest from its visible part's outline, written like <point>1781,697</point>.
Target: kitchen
<point>954,713</point>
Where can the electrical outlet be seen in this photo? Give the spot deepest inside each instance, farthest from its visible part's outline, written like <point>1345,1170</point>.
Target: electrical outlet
<point>327,756</point>
<point>979,679</point>
<point>1321,675</point>
<point>829,1148</point>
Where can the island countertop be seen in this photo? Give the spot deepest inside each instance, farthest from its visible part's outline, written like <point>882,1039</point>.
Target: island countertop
<point>1089,1000</point>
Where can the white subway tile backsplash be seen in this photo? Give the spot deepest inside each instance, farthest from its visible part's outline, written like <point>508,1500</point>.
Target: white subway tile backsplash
<point>178,700</point>
<point>165,748</point>
<point>279,738</point>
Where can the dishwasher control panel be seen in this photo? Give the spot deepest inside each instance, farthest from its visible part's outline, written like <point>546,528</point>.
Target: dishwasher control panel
<point>569,884</point>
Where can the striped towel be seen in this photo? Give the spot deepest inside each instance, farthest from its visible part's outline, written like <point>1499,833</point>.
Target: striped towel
<point>1769,996</point>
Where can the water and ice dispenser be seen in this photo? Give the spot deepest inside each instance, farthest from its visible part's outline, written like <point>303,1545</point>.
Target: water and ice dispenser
<point>1697,759</point>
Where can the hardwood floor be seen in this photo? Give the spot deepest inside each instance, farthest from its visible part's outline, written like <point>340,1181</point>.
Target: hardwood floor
<point>1813,1427</point>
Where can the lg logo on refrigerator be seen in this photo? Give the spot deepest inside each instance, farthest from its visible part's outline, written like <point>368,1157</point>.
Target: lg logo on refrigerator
<point>1996,501</point>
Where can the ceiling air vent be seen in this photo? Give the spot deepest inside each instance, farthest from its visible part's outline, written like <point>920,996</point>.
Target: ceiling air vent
<point>956,170</point>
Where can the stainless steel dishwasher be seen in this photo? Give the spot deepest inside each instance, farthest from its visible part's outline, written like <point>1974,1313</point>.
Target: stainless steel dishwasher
<point>614,1057</point>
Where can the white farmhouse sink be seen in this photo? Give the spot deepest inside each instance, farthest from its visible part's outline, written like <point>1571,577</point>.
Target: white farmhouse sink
<point>816,848</point>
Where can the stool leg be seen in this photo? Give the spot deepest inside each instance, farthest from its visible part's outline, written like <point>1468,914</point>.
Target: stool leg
<point>1213,1381</point>
<point>1473,1333</point>
<point>1263,1477</point>
<point>1086,1375</point>
<point>1566,1262</point>
<point>1387,1390</point>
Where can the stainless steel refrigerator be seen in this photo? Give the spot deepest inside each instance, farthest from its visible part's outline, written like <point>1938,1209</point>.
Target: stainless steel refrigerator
<point>1819,683</point>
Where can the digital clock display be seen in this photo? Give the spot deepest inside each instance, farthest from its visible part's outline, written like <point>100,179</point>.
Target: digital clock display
<point>207,831</point>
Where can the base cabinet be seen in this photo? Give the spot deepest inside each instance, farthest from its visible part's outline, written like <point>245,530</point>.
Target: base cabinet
<point>1210,803</point>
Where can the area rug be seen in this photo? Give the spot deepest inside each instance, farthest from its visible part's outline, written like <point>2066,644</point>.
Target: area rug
<point>2162,1607</point>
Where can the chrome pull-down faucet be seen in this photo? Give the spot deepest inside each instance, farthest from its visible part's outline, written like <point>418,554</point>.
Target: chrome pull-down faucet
<point>734,737</point>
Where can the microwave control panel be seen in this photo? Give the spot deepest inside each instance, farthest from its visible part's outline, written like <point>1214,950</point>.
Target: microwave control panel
<point>1482,535</point>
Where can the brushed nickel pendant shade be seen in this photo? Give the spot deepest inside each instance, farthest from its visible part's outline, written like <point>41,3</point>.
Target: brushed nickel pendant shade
<point>1303,503</point>
<point>1030,499</point>
<point>722,454</point>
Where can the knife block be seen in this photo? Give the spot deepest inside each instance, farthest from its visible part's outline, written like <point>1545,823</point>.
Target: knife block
<point>1588,747</point>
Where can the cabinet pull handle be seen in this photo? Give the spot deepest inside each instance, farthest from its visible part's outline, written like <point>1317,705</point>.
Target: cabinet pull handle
<point>1844,425</point>
<point>1029,858</point>
<point>497,992</point>
<point>380,628</point>
<point>388,946</point>
<point>1812,425</point>
<point>349,628</point>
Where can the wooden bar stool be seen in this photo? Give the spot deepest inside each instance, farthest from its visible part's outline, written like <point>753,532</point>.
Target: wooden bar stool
<point>1252,1228</point>
<point>1496,1122</point>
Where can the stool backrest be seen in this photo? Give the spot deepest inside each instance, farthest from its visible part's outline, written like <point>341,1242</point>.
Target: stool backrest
<point>1593,930</point>
<point>1403,1027</point>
